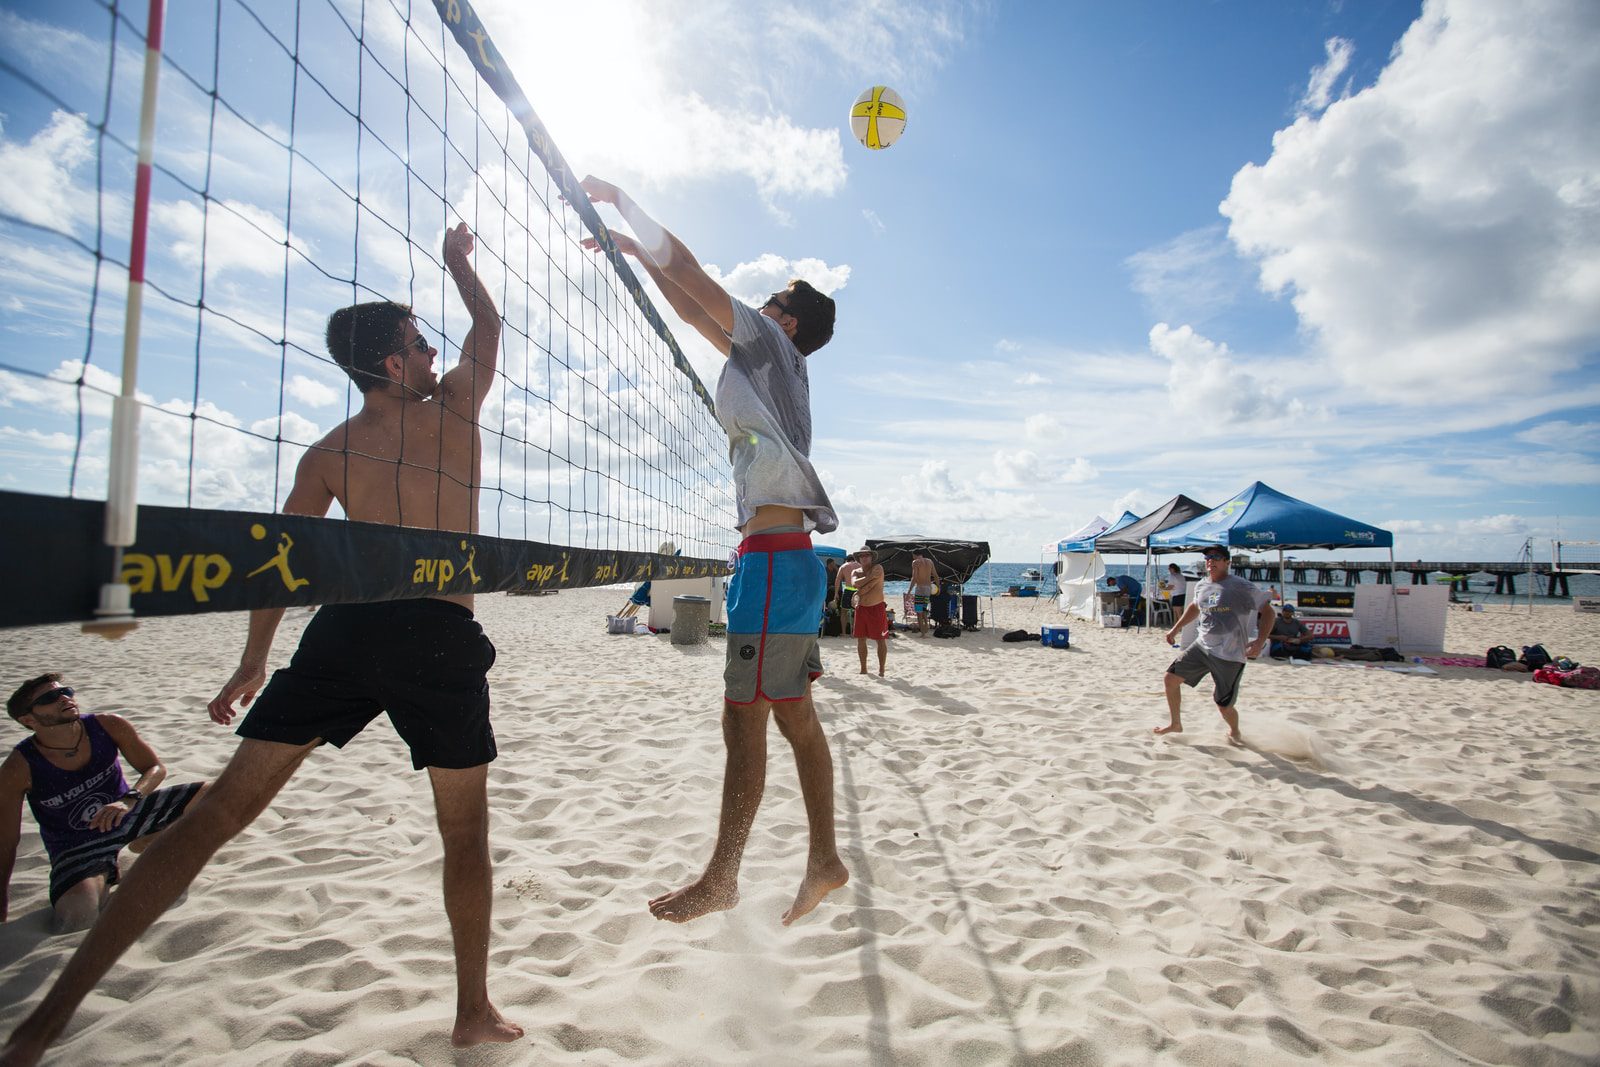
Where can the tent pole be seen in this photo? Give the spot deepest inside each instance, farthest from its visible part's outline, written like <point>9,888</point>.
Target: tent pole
<point>1394,599</point>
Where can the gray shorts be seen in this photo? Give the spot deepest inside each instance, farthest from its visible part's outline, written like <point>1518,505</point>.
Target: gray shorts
<point>1196,663</point>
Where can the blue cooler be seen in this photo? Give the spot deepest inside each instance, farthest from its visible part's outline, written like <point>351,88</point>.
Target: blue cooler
<point>1054,636</point>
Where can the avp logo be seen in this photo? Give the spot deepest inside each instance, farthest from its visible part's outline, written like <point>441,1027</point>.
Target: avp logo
<point>1360,535</point>
<point>1261,535</point>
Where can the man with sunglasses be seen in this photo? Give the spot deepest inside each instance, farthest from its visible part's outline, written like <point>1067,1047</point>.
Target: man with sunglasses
<point>1223,603</point>
<point>70,776</point>
<point>776,596</point>
<point>411,456</point>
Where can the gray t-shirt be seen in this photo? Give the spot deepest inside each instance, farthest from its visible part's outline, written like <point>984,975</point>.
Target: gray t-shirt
<point>764,404</point>
<point>1226,608</point>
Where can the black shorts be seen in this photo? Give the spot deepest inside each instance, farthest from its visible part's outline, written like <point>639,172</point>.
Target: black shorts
<point>1196,663</point>
<point>425,662</point>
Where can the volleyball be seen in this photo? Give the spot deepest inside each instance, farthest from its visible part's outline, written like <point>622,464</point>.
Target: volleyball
<point>878,117</point>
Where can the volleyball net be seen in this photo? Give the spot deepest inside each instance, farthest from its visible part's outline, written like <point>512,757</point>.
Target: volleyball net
<point>309,155</point>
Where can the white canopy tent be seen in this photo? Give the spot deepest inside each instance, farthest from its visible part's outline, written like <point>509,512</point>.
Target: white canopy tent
<point>1079,569</point>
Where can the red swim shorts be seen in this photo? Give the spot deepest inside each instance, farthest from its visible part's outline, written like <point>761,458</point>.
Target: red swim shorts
<point>872,622</point>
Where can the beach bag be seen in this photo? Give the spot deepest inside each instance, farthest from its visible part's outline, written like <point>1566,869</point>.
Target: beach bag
<point>1548,675</point>
<point>1534,656</point>
<point>947,630</point>
<point>832,625</point>
<point>1581,678</point>
<point>1498,656</point>
<point>1018,635</point>
<point>618,625</point>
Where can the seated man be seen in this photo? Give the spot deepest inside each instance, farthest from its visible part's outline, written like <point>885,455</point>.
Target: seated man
<point>68,771</point>
<point>1290,637</point>
<point>1134,591</point>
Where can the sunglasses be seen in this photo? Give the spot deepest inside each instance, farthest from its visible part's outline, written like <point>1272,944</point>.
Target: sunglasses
<point>50,696</point>
<point>418,343</point>
<point>773,299</point>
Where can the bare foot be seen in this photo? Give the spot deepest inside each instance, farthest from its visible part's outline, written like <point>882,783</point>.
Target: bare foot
<point>880,672</point>
<point>814,886</point>
<point>700,897</point>
<point>1235,740</point>
<point>1175,728</point>
<point>482,1028</point>
<point>863,670</point>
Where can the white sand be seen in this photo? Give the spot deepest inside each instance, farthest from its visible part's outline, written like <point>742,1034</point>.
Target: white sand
<point>1034,877</point>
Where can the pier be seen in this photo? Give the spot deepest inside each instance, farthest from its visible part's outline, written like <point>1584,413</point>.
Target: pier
<point>1457,573</point>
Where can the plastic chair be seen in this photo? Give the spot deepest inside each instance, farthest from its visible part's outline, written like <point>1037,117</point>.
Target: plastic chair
<point>1161,613</point>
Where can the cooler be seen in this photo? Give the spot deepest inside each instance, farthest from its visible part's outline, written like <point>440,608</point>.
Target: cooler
<point>1054,636</point>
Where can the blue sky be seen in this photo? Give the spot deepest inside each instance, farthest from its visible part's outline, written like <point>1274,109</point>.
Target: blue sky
<point>1123,250</point>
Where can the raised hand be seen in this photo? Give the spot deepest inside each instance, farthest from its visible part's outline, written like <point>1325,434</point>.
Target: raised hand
<point>458,243</point>
<point>625,244</point>
<point>601,192</point>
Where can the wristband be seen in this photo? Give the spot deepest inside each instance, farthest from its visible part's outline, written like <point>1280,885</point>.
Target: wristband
<point>134,793</point>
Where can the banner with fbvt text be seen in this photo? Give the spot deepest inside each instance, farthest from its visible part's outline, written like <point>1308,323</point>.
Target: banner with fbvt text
<point>188,560</point>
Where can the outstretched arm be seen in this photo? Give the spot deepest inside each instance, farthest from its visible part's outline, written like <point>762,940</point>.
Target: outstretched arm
<point>671,255</point>
<point>689,311</point>
<point>466,385</point>
<point>309,496</point>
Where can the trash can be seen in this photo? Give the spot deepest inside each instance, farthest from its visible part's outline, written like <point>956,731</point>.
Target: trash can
<point>691,616</point>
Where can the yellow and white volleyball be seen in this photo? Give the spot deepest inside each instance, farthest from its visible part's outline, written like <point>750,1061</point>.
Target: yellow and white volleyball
<point>878,117</point>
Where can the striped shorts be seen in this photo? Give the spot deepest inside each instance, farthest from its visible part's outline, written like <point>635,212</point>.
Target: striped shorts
<point>99,854</point>
<point>774,611</point>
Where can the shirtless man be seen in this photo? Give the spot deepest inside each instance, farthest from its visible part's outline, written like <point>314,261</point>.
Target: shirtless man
<point>923,577</point>
<point>68,772</point>
<point>409,457</point>
<point>775,598</point>
<point>872,614</point>
<point>849,571</point>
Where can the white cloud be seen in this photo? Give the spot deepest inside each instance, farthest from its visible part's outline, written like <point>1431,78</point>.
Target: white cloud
<point>1030,379</point>
<point>1192,276</point>
<point>874,221</point>
<point>39,185</point>
<point>1495,525</point>
<point>1319,91</point>
<point>769,272</point>
<point>1207,384</point>
<point>1443,224</point>
<point>1559,433</point>
<point>311,392</point>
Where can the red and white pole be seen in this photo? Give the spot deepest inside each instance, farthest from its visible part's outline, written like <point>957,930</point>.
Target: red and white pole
<point>114,616</point>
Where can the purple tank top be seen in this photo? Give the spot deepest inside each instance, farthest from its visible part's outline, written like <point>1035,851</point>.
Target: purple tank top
<point>63,802</point>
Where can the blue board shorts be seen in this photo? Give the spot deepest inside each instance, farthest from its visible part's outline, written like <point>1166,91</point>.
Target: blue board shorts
<point>774,611</point>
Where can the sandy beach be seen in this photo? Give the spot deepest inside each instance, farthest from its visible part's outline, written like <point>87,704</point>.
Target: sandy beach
<point>1402,869</point>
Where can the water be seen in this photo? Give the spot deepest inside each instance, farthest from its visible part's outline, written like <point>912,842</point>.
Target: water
<point>992,579</point>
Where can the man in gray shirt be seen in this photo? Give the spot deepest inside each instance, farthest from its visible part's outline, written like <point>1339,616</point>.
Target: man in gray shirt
<point>776,596</point>
<point>1224,603</point>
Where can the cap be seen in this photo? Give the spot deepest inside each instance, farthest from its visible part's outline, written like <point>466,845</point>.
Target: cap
<point>1215,552</point>
<point>1287,609</point>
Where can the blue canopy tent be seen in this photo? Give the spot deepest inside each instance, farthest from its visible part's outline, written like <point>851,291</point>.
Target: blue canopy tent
<point>827,552</point>
<point>1261,517</point>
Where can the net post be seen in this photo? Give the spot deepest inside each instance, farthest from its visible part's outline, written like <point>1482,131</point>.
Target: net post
<point>114,615</point>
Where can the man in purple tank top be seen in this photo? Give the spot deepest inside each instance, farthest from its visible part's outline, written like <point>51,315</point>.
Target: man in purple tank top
<point>70,776</point>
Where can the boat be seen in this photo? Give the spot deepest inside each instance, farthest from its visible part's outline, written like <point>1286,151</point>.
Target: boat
<point>1031,574</point>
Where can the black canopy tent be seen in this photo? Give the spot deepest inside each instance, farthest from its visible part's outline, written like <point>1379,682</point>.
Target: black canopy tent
<point>1132,537</point>
<point>1135,537</point>
<point>954,561</point>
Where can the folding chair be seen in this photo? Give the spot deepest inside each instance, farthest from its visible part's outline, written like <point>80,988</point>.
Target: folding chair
<point>971,617</point>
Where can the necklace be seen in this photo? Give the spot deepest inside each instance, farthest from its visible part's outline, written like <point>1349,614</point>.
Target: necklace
<point>70,750</point>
